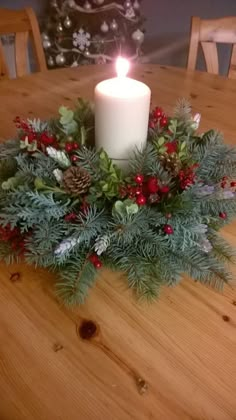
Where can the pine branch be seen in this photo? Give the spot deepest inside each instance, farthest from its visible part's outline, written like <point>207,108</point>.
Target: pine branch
<point>10,148</point>
<point>89,160</point>
<point>141,161</point>
<point>183,110</point>
<point>77,278</point>
<point>221,249</point>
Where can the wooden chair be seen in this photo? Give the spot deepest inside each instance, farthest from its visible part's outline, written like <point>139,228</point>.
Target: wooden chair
<point>208,33</point>
<point>23,23</point>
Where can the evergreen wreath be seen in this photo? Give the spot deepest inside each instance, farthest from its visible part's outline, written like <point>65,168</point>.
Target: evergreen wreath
<point>67,207</point>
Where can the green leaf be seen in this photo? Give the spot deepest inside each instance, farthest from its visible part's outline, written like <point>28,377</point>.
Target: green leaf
<point>67,115</point>
<point>162,150</point>
<point>183,146</point>
<point>132,209</point>
<point>10,184</point>
<point>39,184</point>
<point>161,141</point>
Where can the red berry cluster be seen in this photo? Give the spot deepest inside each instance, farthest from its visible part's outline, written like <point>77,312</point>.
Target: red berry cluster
<point>145,189</point>
<point>71,217</point>
<point>93,258</point>
<point>158,118</point>
<point>225,182</point>
<point>43,139</point>
<point>70,147</point>
<point>187,176</point>
<point>13,237</point>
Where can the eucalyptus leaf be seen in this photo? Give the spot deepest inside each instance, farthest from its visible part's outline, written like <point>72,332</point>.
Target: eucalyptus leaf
<point>161,141</point>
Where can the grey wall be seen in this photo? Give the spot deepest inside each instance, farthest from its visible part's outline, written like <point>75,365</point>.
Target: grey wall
<point>38,5</point>
<point>167,26</point>
<point>173,16</point>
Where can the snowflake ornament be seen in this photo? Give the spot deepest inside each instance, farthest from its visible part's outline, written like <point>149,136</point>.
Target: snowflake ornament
<point>81,39</point>
<point>130,13</point>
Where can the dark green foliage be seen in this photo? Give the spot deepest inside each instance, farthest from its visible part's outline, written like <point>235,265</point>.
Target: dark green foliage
<point>62,232</point>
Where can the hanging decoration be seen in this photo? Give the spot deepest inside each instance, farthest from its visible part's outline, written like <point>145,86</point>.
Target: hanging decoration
<point>112,26</point>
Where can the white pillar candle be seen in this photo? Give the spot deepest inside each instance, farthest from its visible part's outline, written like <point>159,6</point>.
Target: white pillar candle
<point>121,114</point>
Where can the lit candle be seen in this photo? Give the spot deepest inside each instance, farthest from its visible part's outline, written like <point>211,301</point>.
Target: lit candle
<point>121,114</point>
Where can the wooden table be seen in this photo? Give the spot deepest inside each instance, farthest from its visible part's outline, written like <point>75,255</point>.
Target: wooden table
<point>182,347</point>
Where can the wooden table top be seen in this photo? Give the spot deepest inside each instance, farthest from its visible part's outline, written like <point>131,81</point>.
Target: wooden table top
<point>174,359</point>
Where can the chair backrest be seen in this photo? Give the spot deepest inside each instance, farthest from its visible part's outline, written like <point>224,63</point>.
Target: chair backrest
<point>23,24</point>
<point>208,33</point>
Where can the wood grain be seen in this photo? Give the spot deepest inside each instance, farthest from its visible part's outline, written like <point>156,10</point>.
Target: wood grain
<point>115,358</point>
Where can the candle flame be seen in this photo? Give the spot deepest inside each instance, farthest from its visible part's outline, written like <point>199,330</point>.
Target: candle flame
<point>122,66</point>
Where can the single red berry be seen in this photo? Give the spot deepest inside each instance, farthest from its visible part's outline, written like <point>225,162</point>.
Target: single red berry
<point>168,229</point>
<point>165,189</point>
<point>152,185</point>
<point>93,258</point>
<point>75,145</point>
<point>68,147</point>
<point>233,184</point>
<point>138,191</point>
<point>141,200</point>
<point>168,215</point>
<point>74,158</point>
<point>171,147</point>
<point>223,215</point>
<point>98,264</point>
<point>158,113</point>
<point>163,122</point>
<point>139,178</point>
<point>223,184</point>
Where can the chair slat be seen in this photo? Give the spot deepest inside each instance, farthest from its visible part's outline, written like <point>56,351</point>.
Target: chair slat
<point>36,36</point>
<point>12,21</point>
<point>211,57</point>
<point>193,50</point>
<point>3,65</point>
<point>21,44</point>
<point>232,66</point>
<point>219,30</point>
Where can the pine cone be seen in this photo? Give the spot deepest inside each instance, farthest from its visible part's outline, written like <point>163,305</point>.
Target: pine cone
<point>171,162</point>
<point>76,180</point>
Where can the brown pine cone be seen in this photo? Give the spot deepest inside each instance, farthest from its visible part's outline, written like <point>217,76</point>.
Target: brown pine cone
<point>76,180</point>
<point>171,162</point>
